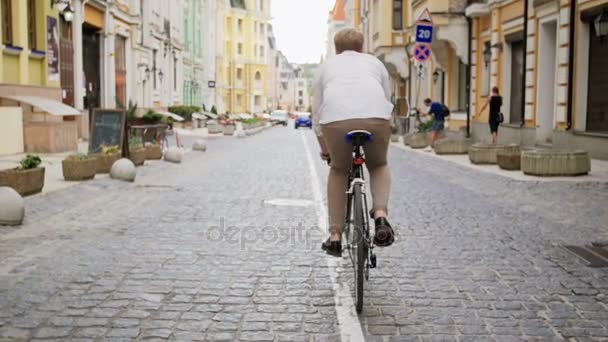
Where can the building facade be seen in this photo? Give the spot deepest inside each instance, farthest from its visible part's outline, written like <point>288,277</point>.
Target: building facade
<point>193,52</point>
<point>548,58</point>
<point>242,65</point>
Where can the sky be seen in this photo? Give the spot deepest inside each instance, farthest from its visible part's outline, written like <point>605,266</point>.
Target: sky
<point>300,27</point>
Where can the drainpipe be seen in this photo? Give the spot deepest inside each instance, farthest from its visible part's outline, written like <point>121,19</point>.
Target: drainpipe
<point>470,53</point>
<point>523,104</point>
<point>571,65</point>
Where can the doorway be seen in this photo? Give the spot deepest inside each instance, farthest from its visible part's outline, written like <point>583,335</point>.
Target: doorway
<point>91,65</point>
<point>545,94</point>
<point>517,84</point>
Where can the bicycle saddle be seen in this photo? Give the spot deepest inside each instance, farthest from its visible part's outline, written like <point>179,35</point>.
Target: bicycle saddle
<point>359,136</point>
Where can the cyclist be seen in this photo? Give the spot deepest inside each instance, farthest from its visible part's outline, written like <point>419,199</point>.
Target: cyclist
<point>352,91</point>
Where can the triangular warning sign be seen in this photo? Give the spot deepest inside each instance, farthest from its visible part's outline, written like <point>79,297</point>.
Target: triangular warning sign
<point>425,16</point>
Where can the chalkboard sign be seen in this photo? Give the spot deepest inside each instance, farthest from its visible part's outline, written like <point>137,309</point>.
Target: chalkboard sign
<point>107,128</point>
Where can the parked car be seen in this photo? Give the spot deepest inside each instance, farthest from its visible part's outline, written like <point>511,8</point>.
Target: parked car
<point>303,120</point>
<point>279,117</point>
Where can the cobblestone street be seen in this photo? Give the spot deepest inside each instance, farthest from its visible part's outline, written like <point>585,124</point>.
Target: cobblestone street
<point>200,251</point>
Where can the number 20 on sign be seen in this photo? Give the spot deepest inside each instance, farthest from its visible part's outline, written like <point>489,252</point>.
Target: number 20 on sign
<point>424,33</point>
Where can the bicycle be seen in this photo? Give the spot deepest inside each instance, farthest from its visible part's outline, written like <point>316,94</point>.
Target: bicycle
<point>357,233</point>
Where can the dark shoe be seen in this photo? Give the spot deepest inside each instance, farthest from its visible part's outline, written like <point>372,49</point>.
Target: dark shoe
<point>333,248</point>
<point>385,236</point>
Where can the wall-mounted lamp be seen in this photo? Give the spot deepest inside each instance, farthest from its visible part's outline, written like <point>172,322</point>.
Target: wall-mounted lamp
<point>147,71</point>
<point>160,75</point>
<point>601,24</point>
<point>435,76</point>
<point>64,8</point>
<point>487,55</point>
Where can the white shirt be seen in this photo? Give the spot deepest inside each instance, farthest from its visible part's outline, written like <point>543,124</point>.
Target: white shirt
<point>351,85</point>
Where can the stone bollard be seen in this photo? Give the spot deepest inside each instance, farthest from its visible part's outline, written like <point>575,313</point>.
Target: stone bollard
<point>124,170</point>
<point>200,145</point>
<point>174,155</point>
<point>452,146</point>
<point>12,207</point>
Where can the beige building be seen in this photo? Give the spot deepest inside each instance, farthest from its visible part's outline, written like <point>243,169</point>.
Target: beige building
<point>549,60</point>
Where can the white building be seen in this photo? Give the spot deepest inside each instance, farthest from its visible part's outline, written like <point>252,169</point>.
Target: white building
<point>210,35</point>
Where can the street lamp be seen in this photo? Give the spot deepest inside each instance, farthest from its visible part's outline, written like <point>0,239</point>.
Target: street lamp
<point>68,13</point>
<point>601,24</point>
<point>487,55</point>
<point>435,76</point>
<point>147,71</point>
<point>60,5</point>
<point>160,75</point>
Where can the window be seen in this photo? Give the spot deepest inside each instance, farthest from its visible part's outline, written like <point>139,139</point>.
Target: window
<point>121,71</point>
<point>31,24</point>
<point>262,29</point>
<point>7,22</point>
<point>239,48</point>
<point>261,52</point>
<point>597,105</point>
<point>300,102</point>
<point>300,93</point>
<point>261,5</point>
<point>258,76</point>
<point>398,15</point>
<point>239,74</point>
<point>240,25</point>
<point>239,100</point>
<point>257,100</point>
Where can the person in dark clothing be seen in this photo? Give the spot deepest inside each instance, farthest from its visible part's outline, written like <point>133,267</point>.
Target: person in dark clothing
<point>495,102</point>
<point>436,110</point>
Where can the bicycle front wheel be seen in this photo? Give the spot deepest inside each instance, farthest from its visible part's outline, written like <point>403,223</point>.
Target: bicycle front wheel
<point>360,244</point>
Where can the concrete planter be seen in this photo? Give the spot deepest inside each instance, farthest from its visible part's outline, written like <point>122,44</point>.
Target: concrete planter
<point>153,152</point>
<point>214,128</point>
<point>75,169</point>
<point>555,163</point>
<point>394,138</point>
<point>406,139</point>
<point>418,140</point>
<point>105,162</point>
<point>137,156</point>
<point>482,153</point>
<point>452,146</point>
<point>509,160</point>
<point>228,129</point>
<point>25,182</point>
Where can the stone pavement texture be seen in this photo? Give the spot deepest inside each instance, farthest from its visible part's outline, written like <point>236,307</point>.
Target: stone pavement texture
<point>193,252</point>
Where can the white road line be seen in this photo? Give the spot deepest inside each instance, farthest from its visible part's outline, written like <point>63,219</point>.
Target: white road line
<point>348,321</point>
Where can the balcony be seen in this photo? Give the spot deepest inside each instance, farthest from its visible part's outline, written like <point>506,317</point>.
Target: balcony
<point>477,9</point>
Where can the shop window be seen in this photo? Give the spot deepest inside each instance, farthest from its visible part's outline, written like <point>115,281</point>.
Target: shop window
<point>121,71</point>
<point>398,15</point>
<point>7,22</point>
<point>239,48</point>
<point>462,86</point>
<point>485,72</point>
<point>31,24</point>
<point>597,102</point>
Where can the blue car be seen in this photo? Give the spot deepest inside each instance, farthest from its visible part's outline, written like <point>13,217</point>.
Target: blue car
<point>303,120</point>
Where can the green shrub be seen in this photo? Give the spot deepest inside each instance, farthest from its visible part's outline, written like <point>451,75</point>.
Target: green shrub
<point>152,117</point>
<point>131,111</point>
<point>31,161</point>
<point>214,110</point>
<point>185,111</point>
<point>78,156</point>
<point>135,142</point>
<point>426,126</point>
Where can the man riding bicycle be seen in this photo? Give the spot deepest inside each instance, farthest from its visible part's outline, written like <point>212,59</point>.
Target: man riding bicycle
<point>352,91</point>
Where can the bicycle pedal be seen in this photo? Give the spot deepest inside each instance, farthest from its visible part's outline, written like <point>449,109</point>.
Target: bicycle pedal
<point>372,259</point>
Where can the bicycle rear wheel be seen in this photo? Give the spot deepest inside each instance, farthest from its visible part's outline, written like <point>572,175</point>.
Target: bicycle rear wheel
<point>359,243</point>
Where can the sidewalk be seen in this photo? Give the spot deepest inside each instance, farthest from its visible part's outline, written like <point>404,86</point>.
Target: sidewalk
<point>599,168</point>
<point>53,173</point>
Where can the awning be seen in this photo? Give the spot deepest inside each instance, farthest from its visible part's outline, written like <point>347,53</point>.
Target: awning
<point>211,115</point>
<point>198,116</point>
<point>169,114</point>
<point>46,105</point>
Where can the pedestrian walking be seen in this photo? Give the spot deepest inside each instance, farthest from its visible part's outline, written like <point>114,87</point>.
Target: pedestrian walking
<point>496,117</point>
<point>439,112</point>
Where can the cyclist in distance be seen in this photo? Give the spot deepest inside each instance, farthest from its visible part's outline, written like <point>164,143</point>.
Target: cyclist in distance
<point>352,91</point>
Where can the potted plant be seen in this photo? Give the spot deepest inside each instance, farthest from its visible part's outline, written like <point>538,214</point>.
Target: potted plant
<point>27,179</point>
<point>420,139</point>
<point>394,134</point>
<point>106,158</point>
<point>153,151</point>
<point>137,152</point>
<point>79,167</point>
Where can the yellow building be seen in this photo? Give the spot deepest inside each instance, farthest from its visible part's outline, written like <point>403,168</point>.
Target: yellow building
<point>30,79</point>
<point>389,29</point>
<point>549,61</point>
<point>242,65</point>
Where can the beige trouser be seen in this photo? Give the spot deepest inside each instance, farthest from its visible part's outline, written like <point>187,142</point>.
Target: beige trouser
<point>341,159</point>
